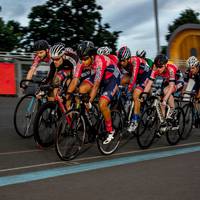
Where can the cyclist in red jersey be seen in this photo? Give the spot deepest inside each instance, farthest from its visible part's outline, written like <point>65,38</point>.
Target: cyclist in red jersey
<point>104,71</point>
<point>42,55</point>
<point>135,72</point>
<point>168,72</point>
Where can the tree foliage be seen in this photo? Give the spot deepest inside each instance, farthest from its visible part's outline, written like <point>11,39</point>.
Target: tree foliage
<point>186,16</point>
<point>10,35</point>
<point>69,21</point>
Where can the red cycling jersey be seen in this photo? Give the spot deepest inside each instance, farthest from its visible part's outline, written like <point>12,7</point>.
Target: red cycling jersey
<point>103,67</point>
<point>37,60</point>
<point>169,74</point>
<point>136,68</point>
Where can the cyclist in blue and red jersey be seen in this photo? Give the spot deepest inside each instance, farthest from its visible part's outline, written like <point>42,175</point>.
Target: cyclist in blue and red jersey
<point>135,72</point>
<point>104,74</point>
<point>42,55</point>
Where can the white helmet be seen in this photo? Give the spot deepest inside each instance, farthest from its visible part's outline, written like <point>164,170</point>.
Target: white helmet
<point>57,51</point>
<point>104,50</point>
<point>192,61</point>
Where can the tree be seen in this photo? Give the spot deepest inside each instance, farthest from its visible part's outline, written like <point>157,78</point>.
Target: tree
<point>69,21</point>
<point>10,35</point>
<point>186,16</point>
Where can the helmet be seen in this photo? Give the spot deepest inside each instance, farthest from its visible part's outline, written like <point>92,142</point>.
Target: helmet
<point>69,50</point>
<point>57,51</point>
<point>85,48</point>
<point>104,50</point>
<point>141,54</point>
<point>41,45</point>
<point>124,53</point>
<point>192,61</point>
<point>160,60</point>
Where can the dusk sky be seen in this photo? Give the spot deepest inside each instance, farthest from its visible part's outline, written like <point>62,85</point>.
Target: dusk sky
<point>134,17</point>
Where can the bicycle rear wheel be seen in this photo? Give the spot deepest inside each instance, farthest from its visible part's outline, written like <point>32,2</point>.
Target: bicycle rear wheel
<point>189,118</point>
<point>107,149</point>
<point>147,127</point>
<point>177,127</point>
<point>24,115</point>
<point>70,135</point>
<point>45,124</point>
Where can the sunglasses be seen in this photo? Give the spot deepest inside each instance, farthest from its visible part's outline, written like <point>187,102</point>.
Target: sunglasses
<point>85,58</point>
<point>56,59</point>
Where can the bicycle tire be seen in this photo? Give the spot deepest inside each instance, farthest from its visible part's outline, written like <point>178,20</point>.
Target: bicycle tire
<point>45,136</point>
<point>147,127</point>
<point>178,123</point>
<point>70,135</point>
<point>23,121</point>
<point>107,149</point>
<point>189,118</point>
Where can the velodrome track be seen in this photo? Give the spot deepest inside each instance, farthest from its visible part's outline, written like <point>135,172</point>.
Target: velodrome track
<point>161,172</point>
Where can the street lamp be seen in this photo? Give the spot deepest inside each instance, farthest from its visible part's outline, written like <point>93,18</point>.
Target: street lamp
<point>157,28</point>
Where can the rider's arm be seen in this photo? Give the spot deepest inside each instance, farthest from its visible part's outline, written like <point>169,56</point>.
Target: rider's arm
<point>169,92</point>
<point>148,86</point>
<point>94,91</point>
<point>72,86</point>
<point>136,66</point>
<point>33,68</point>
<point>172,73</point>
<point>150,81</point>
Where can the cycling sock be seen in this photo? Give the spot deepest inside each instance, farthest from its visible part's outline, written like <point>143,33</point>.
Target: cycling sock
<point>108,124</point>
<point>135,118</point>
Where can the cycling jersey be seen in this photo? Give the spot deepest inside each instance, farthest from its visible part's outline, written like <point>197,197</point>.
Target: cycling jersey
<point>169,74</point>
<point>65,70</point>
<point>103,68</point>
<point>138,69</point>
<point>37,60</point>
<point>196,78</point>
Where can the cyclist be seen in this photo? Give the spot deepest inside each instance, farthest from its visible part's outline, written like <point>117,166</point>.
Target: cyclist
<point>193,72</point>
<point>42,55</point>
<point>168,73</point>
<point>104,75</point>
<point>142,54</point>
<point>135,73</point>
<point>61,67</point>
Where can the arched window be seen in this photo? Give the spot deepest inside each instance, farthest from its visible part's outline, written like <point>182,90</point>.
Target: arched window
<point>193,52</point>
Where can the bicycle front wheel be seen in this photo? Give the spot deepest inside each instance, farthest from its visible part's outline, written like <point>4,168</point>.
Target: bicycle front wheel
<point>177,124</point>
<point>70,135</point>
<point>45,124</point>
<point>107,149</point>
<point>24,115</point>
<point>147,127</point>
<point>189,118</point>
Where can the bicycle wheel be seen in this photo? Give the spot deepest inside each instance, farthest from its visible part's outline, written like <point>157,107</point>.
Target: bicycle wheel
<point>177,124</point>
<point>24,115</point>
<point>189,118</point>
<point>70,135</point>
<point>107,149</point>
<point>45,124</point>
<point>147,127</point>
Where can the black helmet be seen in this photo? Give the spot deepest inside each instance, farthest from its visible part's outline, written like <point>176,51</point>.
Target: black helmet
<point>41,45</point>
<point>124,53</point>
<point>85,48</point>
<point>141,54</point>
<point>160,60</point>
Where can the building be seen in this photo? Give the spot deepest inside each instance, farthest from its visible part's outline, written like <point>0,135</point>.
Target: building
<point>183,43</point>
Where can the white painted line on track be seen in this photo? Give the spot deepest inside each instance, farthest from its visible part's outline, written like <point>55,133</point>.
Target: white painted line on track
<point>76,161</point>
